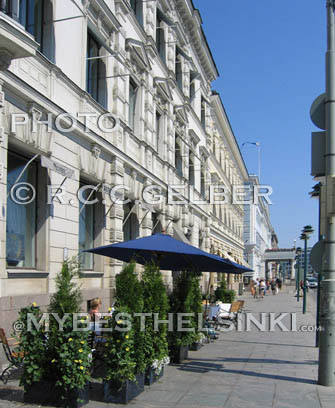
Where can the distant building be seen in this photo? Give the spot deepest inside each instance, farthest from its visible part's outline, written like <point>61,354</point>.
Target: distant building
<point>301,261</point>
<point>258,233</point>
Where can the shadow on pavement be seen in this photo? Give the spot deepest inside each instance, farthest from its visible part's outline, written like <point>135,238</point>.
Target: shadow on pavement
<point>202,367</point>
<point>268,344</point>
<point>258,360</point>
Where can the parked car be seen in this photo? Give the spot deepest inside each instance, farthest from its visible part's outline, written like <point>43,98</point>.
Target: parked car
<point>312,283</point>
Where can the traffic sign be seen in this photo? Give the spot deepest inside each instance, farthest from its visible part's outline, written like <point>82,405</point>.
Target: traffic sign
<point>318,112</point>
<point>316,256</point>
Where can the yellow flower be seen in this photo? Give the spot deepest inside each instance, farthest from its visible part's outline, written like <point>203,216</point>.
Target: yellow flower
<point>70,339</point>
<point>127,337</point>
<point>127,348</point>
<point>118,341</point>
<point>81,367</point>
<point>53,361</point>
<point>80,350</point>
<point>82,342</point>
<point>110,309</point>
<point>119,322</point>
<point>80,361</point>
<point>76,361</point>
<point>34,304</point>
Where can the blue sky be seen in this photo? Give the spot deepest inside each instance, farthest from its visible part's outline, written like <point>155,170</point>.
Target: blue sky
<point>270,56</point>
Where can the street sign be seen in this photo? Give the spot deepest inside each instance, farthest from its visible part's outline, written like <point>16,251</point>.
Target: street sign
<point>317,255</point>
<point>318,112</point>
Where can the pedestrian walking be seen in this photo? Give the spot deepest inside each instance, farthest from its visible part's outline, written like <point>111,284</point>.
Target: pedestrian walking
<point>279,283</point>
<point>262,288</point>
<point>252,288</point>
<point>273,285</point>
<point>257,288</point>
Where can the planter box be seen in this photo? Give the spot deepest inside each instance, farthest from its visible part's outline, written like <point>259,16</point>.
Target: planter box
<point>46,393</point>
<point>196,346</point>
<point>179,354</point>
<point>151,376</point>
<point>121,393</point>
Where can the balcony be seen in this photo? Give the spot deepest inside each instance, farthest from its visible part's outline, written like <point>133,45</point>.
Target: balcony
<point>15,41</point>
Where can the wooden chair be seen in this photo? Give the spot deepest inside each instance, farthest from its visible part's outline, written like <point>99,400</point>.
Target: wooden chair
<point>14,358</point>
<point>232,315</point>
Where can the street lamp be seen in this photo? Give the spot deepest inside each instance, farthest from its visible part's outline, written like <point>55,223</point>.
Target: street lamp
<point>297,278</point>
<point>306,232</point>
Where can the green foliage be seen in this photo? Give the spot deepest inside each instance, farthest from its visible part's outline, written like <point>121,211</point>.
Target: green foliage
<point>68,297</point>
<point>120,348</point>
<point>32,347</point>
<point>155,302</point>
<point>69,350</point>
<point>129,297</point>
<point>62,355</point>
<point>186,298</point>
<point>223,294</point>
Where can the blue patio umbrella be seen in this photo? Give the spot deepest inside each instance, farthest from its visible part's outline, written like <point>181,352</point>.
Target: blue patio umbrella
<point>169,254</point>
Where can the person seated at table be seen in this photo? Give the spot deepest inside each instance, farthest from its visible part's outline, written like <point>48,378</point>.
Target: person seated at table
<point>95,305</point>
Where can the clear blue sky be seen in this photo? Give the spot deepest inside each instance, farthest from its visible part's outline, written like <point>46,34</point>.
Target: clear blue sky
<point>270,55</point>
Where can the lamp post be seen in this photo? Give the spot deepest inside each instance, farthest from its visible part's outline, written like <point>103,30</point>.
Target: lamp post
<point>297,280</point>
<point>327,311</point>
<point>306,232</point>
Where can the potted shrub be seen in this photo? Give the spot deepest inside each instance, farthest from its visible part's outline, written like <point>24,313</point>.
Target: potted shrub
<point>125,360</point>
<point>223,294</point>
<point>121,383</point>
<point>155,301</point>
<point>64,375</point>
<point>196,307</point>
<point>182,301</point>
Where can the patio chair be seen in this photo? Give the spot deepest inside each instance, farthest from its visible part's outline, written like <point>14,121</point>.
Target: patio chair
<point>14,358</point>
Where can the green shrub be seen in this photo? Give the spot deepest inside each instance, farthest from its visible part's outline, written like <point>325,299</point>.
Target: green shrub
<point>129,298</point>
<point>184,299</point>
<point>68,349</point>
<point>223,294</point>
<point>155,302</point>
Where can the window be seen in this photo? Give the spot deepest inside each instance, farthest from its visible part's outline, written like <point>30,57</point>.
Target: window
<point>36,17</point>
<point>156,224</point>
<point>179,71</point>
<point>203,113</point>
<point>137,6</point>
<point>131,227</point>
<point>191,174</point>
<point>21,226</point>
<point>177,157</point>
<point>86,226</point>
<point>160,37</point>
<point>132,103</point>
<point>96,71</point>
<point>203,183</point>
<point>159,131</point>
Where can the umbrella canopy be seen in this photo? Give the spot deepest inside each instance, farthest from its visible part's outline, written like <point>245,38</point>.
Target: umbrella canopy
<point>169,254</point>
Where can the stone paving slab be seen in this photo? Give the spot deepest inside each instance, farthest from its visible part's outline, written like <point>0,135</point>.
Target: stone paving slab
<point>242,369</point>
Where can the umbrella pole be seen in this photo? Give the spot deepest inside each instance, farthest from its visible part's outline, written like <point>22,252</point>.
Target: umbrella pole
<point>208,286</point>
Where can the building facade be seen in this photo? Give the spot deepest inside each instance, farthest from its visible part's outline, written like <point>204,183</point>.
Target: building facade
<point>258,232</point>
<point>109,131</point>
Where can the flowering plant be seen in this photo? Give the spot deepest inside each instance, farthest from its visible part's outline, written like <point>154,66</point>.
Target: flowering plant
<point>158,365</point>
<point>59,354</point>
<point>119,348</point>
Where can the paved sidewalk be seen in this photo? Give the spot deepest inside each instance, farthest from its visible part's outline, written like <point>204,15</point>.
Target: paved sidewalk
<point>241,369</point>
